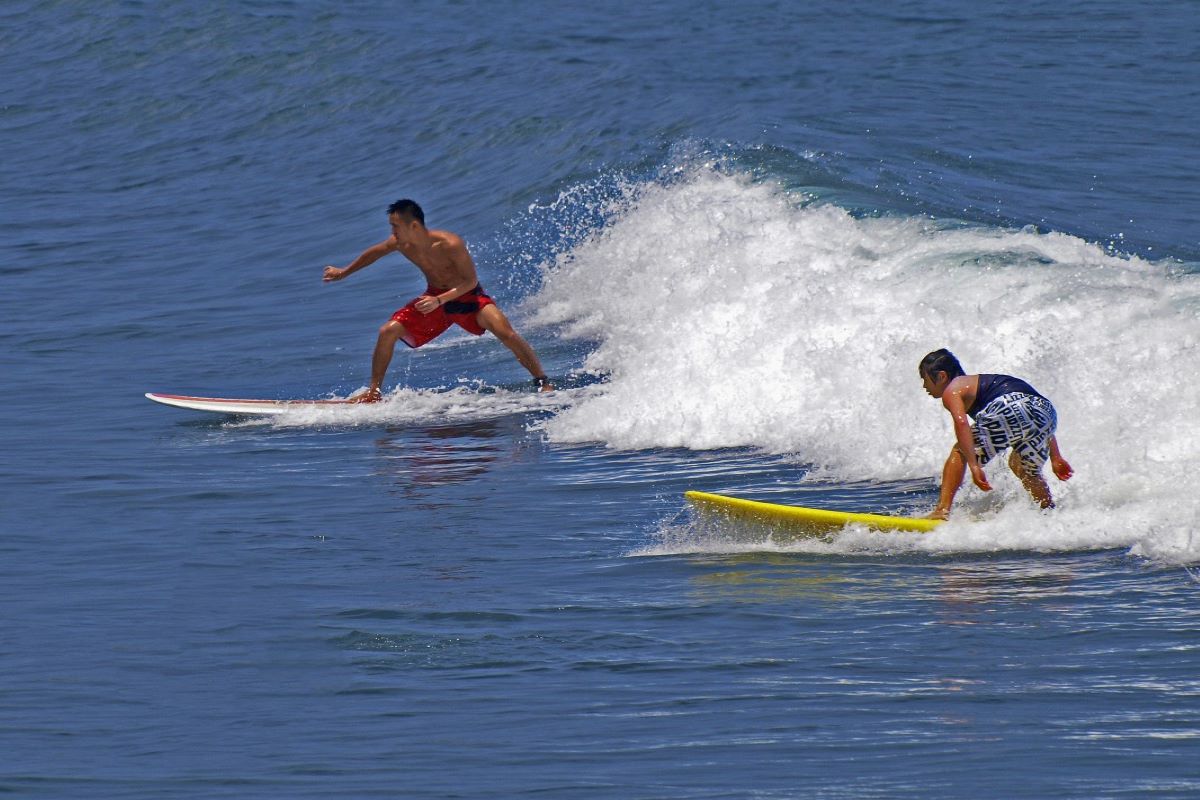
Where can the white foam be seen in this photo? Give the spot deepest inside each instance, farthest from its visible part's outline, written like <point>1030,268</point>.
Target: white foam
<point>404,406</point>
<point>727,312</point>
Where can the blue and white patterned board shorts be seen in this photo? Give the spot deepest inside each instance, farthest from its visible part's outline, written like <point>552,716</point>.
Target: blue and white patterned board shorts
<point>1024,422</point>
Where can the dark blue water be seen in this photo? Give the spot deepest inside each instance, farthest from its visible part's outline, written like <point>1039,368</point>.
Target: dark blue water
<point>730,232</point>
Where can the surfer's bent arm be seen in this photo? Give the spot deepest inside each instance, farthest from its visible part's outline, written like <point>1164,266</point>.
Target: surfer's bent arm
<point>465,277</point>
<point>367,258</point>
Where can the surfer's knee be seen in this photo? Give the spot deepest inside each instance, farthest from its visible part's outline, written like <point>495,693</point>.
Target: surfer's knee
<point>513,341</point>
<point>499,326</point>
<point>391,331</point>
<point>1022,469</point>
<point>506,334</point>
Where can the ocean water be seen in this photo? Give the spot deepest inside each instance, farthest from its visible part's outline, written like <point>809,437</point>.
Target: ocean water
<point>730,232</point>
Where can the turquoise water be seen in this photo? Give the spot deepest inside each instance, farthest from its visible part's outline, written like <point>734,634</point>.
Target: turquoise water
<point>730,234</point>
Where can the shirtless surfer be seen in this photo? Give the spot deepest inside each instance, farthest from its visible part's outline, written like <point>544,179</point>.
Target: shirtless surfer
<point>453,296</point>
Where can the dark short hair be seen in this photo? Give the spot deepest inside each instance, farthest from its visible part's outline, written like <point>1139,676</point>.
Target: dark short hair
<point>407,208</point>
<point>940,361</point>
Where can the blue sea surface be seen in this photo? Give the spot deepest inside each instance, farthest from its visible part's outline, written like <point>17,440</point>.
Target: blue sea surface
<point>730,232</point>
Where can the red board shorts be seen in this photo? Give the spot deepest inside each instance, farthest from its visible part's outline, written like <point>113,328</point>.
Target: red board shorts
<point>421,328</point>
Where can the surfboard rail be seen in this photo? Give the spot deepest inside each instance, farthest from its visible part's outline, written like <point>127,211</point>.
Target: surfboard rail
<point>814,520</point>
<point>232,405</point>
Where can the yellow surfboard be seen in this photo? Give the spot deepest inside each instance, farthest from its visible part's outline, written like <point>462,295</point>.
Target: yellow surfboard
<point>813,521</point>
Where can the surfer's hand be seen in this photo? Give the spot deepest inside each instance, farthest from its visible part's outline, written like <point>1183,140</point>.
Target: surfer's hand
<point>979,478</point>
<point>1062,470</point>
<point>427,303</point>
<point>333,274</point>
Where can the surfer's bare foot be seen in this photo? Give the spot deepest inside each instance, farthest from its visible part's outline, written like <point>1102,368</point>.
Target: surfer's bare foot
<point>938,513</point>
<point>543,384</point>
<point>369,396</point>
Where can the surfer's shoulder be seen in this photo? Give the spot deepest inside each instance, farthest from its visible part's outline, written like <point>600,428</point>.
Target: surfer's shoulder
<point>447,239</point>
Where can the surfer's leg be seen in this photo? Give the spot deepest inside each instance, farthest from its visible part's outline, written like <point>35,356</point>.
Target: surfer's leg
<point>492,319</point>
<point>1031,479</point>
<point>1031,447</point>
<point>389,334</point>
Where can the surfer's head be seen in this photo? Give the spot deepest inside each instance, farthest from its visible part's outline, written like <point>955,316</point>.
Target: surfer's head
<point>407,221</point>
<point>407,210</point>
<point>937,369</point>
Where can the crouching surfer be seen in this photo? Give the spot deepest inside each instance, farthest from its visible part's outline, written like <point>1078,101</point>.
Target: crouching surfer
<point>453,296</point>
<point>1008,413</point>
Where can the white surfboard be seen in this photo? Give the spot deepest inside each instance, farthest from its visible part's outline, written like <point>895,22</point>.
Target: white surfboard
<point>230,405</point>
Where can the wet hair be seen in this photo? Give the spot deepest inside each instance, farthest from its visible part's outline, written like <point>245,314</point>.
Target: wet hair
<point>407,209</point>
<point>940,361</point>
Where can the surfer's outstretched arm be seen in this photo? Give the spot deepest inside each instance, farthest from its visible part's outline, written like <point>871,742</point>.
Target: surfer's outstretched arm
<point>368,257</point>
